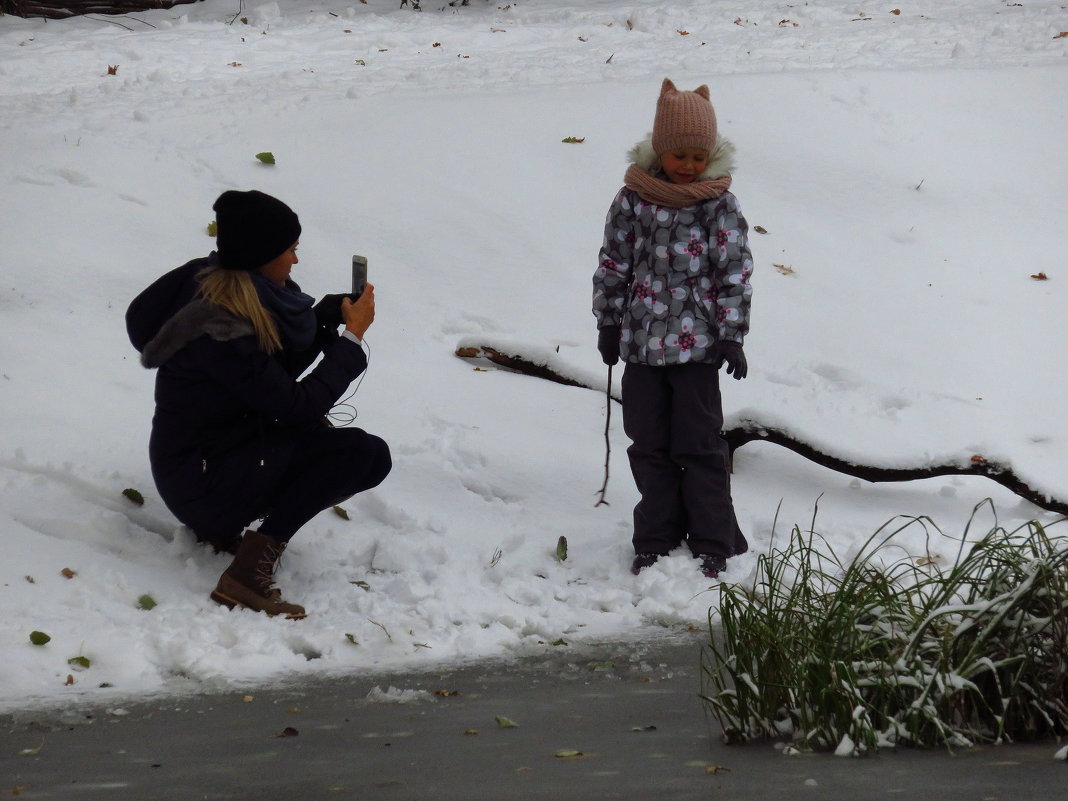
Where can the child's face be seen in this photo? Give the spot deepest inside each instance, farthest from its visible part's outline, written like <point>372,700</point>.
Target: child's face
<point>684,164</point>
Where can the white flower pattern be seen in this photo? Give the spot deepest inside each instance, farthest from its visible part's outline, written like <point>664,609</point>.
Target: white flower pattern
<point>695,248</point>
<point>686,341</point>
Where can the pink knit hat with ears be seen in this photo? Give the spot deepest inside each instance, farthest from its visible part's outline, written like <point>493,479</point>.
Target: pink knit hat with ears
<point>683,119</point>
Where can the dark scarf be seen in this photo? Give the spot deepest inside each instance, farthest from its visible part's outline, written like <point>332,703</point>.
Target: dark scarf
<point>291,309</point>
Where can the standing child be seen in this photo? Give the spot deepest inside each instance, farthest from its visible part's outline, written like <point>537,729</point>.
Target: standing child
<point>671,296</point>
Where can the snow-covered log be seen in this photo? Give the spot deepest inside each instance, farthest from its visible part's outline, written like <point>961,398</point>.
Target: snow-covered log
<point>59,9</point>
<point>542,366</point>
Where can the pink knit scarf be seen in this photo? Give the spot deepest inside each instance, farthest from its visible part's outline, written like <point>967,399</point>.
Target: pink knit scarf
<point>675,196</point>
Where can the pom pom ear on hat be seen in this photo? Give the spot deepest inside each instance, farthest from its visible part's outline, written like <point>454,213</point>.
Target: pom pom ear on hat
<point>683,119</point>
<point>253,229</point>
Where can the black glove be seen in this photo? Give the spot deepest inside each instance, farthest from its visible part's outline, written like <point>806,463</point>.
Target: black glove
<point>732,354</point>
<point>608,344</point>
<point>328,311</point>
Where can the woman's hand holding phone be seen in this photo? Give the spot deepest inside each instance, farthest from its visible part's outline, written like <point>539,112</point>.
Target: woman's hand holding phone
<point>359,314</point>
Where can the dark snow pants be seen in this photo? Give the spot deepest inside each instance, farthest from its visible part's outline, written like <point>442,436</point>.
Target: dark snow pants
<point>674,418</point>
<point>327,467</point>
<point>289,477</point>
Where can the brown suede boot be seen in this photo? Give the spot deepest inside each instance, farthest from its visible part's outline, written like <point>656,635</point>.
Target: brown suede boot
<point>247,582</point>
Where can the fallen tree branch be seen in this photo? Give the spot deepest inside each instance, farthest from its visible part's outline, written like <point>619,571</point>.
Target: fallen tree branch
<point>60,9</point>
<point>519,364</point>
<point>976,465</point>
<point>753,431</point>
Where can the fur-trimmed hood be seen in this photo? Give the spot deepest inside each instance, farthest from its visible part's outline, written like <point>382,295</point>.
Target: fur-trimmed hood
<point>194,320</point>
<point>720,164</point>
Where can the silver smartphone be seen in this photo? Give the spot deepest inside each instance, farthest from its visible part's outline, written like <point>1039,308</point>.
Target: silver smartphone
<point>359,275</point>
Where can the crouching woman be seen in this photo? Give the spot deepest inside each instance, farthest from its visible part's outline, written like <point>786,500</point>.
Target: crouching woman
<point>237,434</point>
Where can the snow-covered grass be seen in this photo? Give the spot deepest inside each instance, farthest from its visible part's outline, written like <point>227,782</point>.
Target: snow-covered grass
<point>887,649</point>
<point>908,168</point>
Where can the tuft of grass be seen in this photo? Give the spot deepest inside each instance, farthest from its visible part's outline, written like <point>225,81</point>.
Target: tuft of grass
<point>889,649</point>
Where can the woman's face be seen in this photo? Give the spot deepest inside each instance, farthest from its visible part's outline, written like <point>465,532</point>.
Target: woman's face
<point>277,270</point>
<point>684,164</point>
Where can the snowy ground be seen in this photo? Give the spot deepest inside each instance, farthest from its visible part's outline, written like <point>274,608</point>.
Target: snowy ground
<point>909,169</point>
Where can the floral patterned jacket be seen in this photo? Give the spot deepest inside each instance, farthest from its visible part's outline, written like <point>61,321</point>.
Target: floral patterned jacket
<point>676,280</point>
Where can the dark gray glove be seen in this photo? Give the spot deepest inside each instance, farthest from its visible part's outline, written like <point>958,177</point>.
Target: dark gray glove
<point>608,344</point>
<point>731,353</point>
<point>328,311</point>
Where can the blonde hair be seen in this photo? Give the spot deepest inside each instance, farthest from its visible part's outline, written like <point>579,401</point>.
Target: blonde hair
<point>234,291</point>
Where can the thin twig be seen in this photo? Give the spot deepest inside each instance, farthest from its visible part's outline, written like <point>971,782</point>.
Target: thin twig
<point>607,441</point>
<point>388,635</point>
<point>240,8</point>
<point>109,21</point>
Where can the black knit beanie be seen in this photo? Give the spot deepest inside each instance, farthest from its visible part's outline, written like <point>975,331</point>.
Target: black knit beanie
<point>253,229</point>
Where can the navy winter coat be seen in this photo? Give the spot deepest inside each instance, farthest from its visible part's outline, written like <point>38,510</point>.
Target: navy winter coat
<point>228,416</point>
